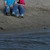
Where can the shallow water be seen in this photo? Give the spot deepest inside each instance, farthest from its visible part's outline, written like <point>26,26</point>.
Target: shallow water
<point>30,41</point>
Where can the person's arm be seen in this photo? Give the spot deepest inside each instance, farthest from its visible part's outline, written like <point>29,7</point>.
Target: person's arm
<point>15,2</point>
<point>5,3</point>
<point>22,5</point>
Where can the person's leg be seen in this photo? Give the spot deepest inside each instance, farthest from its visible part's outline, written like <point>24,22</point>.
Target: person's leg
<point>15,10</point>
<point>7,10</point>
<point>11,10</point>
<point>21,10</point>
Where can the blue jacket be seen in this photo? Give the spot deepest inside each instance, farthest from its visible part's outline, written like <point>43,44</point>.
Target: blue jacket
<point>9,2</point>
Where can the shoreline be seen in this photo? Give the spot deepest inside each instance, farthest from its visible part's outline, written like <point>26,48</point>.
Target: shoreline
<point>31,32</point>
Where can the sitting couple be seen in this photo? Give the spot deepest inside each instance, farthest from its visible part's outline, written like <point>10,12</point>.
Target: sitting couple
<point>14,8</point>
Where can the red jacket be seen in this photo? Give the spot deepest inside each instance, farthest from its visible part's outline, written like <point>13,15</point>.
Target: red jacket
<point>22,2</point>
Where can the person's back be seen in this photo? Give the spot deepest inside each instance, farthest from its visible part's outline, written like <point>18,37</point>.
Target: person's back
<point>9,2</point>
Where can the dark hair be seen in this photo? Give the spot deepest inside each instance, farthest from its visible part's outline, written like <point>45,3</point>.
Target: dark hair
<point>19,1</point>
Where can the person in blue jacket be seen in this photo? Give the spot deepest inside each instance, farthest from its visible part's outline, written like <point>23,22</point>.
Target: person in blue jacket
<point>8,4</point>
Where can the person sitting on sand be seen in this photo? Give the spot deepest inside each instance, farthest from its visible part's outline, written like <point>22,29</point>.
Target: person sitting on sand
<point>21,7</point>
<point>15,10</point>
<point>8,4</point>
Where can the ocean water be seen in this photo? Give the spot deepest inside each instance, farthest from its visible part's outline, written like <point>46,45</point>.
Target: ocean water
<point>25,41</point>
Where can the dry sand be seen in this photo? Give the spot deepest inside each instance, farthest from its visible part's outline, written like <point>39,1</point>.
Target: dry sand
<point>36,18</point>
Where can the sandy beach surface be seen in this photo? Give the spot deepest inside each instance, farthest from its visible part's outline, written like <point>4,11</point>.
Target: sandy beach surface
<point>36,18</point>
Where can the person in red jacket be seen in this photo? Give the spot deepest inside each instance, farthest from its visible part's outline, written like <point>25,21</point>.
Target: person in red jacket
<point>21,7</point>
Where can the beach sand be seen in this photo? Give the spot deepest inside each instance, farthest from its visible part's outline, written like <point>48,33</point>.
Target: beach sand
<point>36,18</point>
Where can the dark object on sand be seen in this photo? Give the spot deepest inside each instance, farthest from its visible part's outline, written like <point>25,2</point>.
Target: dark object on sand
<point>1,28</point>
